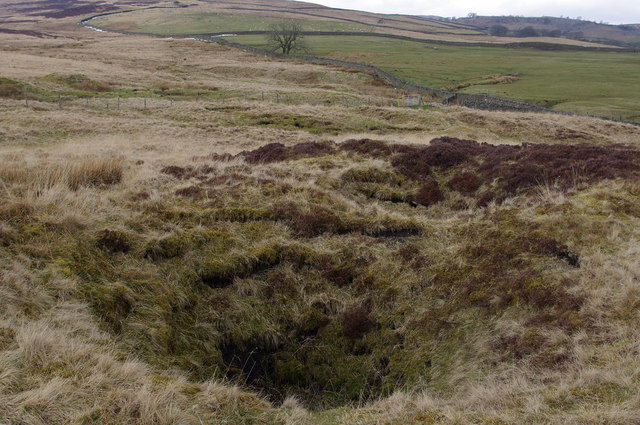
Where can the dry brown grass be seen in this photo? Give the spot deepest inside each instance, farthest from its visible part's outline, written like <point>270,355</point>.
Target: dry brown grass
<point>73,173</point>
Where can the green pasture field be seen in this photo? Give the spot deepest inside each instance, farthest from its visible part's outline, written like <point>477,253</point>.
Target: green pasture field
<point>602,83</point>
<point>181,21</point>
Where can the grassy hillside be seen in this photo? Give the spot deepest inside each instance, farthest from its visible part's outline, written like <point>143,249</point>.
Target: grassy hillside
<point>229,259</point>
<point>180,20</point>
<point>621,35</point>
<point>188,21</point>
<point>601,83</point>
<point>305,12</point>
<point>585,81</point>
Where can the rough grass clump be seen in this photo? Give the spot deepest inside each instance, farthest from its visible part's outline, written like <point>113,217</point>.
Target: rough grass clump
<point>170,246</point>
<point>312,124</point>
<point>112,303</point>
<point>408,252</point>
<point>113,240</point>
<point>344,268</point>
<point>73,173</point>
<point>193,192</point>
<point>7,235</point>
<point>17,211</point>
<point>221,272</point>
<point>372,175</point>
<point>307,222</point>
<point>11,89</point>
<point>94,172</point>
<point>79,82</point>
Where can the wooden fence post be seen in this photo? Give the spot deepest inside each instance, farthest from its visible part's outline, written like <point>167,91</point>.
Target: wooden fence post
<point>118,107</point>
<point>145,102</point>
<point>59,101</point>
<point>26,98</point>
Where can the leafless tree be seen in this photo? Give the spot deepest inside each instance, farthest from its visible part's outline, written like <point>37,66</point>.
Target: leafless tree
<point>285,36</point>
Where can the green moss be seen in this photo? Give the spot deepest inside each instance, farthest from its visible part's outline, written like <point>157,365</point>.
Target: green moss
<point>288,370</point>
<point>220,272</point>
<point>167,247</point>
<point>32,230</point>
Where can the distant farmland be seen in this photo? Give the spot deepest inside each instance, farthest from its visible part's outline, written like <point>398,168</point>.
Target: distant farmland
<point>564,78</point>
<point>602,83</point>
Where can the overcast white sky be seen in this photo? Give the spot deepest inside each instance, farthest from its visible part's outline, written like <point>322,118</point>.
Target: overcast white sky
<point>614,12</point>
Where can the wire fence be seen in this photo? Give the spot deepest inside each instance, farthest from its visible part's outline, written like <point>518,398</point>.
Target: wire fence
<point>155,101</point>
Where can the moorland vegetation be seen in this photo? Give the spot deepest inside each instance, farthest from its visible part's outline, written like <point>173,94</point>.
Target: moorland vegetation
<point>228,260</point>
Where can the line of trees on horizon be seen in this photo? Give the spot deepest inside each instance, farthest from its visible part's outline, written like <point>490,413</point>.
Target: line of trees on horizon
<point>528,31</point>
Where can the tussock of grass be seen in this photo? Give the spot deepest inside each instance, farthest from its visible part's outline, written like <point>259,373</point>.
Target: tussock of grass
<point>73,174</point>
<point>11,88</point>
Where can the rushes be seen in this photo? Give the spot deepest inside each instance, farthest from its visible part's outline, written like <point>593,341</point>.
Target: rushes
<point>74,174</point>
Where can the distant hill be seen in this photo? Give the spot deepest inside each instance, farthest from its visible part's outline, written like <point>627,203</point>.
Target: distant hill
<point>546,26</point>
